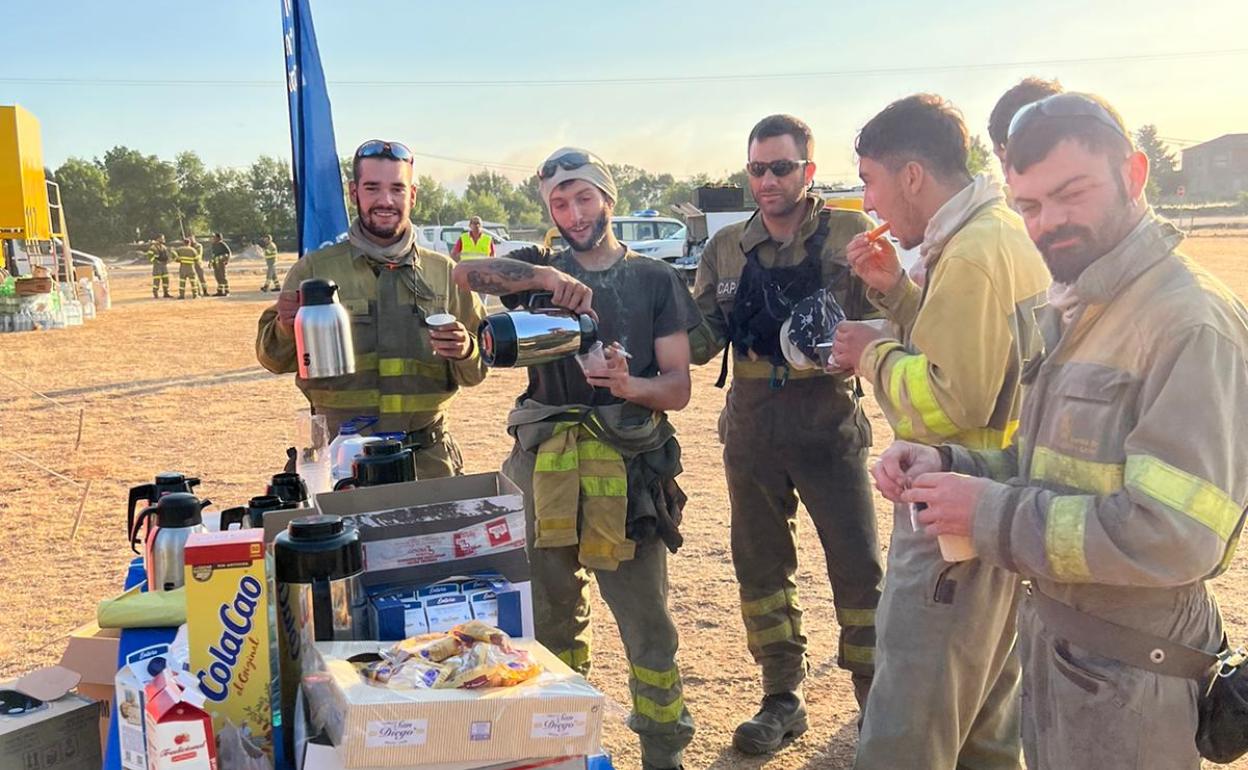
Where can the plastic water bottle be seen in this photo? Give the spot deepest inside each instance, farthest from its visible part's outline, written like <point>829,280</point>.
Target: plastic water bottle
<point>348,445</point>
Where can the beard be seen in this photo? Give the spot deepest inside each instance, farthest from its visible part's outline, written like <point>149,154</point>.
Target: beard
<point>594,238</point>
<point>369,222</point>
<point>1068,263</point>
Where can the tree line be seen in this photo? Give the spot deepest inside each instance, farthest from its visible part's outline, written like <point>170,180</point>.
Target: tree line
<point>126,196</point>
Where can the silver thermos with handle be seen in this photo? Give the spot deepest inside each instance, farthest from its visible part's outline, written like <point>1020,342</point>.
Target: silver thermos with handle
<point>538,334</point>
<point>323,342</point>
<point>318,563</point>
<point>177,516</point>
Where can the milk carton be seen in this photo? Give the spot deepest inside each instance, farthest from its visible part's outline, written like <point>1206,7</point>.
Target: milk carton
<point>179,732</point>
<point>230,631</point>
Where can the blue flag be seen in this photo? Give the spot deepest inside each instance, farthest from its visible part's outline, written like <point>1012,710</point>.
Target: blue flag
<point>320,214</point>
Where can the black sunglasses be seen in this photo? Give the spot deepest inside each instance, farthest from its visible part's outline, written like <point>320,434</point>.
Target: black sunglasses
<point>778,168</point>
<point>568,161</point>
<point>15,704</point>
<point>1068,105</point>
<point>376,148</point>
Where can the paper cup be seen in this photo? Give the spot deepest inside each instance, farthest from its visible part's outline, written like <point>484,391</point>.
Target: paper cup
<point>440,320</point>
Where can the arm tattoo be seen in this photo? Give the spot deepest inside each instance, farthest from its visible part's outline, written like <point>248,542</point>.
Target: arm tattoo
<point>500,278</point>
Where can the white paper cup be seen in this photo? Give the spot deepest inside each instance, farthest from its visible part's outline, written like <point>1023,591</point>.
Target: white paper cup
<point>440,320</point>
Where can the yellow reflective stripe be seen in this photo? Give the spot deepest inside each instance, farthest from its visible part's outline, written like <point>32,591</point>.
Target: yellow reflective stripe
<point>414,402</point>
<point>345,399</point>
<point>557,522</point>
<point>593,449</point>
<point>765,605</point>
<point>1185,493</point>
<point>554,462</point>
<point>1064,536</point>
<point>603,486</point>
<point>664,680</point>
<point>1084,475</point>
<point>912,370</point>
<point>987,438</point>
<point>399,367</point>
<point>766,636</point>
<point>656,713</point>
<point>575,657</point>
<point>854,653</point>
<point>848,617</point>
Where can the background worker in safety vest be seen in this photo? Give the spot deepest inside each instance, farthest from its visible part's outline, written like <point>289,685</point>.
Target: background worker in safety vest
<point>187,256</point>
<point>473,244</point>
<point>220,262</point>
<point>946,677</point>
<point>199,263</point>
<point>158,254</point>
<point>270,264</point>
<point>1126,487</point>
<point>788,431</point>
<point>594,450</point>
<point>406,372</point>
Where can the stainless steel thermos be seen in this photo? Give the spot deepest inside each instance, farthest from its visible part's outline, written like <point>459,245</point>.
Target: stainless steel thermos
<point>323,342</point>
<point>177,515</point>
<point>537,335</point>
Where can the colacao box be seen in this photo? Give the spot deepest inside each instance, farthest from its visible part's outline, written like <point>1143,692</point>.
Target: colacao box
<point>557,714</point>
<point>232,642</point>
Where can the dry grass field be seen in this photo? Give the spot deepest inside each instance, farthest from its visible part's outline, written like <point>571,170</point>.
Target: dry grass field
<point>169,385</point>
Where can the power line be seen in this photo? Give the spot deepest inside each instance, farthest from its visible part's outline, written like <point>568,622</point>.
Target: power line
<point>642,80</point>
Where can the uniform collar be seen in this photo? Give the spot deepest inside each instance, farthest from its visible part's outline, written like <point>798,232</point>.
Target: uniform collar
<point>1149,242</point>
<point>755,232</point>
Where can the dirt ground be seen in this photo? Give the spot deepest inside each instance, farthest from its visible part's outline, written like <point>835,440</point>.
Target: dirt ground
<point>169,385</point>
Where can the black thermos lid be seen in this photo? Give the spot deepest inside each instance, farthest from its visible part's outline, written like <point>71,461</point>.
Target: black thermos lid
<point>317,291</point>
<point>318,548</point>
<point>179,509</point>
<point>500,345</point>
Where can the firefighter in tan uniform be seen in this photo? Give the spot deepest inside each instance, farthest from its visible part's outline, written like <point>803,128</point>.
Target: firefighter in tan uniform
<point>946,682</point>
<point>406,372</point>
<point>789,431</point>
<point>187,256</point>
<point>1126,488</point>
<point>159,255</point>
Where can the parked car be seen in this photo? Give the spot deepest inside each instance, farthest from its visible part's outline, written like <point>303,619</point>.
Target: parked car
<point>644,226</point>
<point>442,238</point>
<point>668,249</point>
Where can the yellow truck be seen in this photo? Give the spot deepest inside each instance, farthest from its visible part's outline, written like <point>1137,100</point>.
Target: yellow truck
<point>32,224</point>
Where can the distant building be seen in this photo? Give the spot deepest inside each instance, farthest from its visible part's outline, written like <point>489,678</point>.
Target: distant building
<point>1217,169</point>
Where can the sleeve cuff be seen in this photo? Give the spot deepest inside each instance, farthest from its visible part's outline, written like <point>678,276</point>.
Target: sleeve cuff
<point>869,362</point>
<point>894,298</point>
<point>990,529</point>
<point>960,460</point>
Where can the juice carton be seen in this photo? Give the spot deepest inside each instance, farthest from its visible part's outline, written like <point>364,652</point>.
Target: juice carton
<point>230,631</point>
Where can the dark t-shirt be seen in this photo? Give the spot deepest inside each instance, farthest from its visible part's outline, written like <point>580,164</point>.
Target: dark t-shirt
<point>638,300</point>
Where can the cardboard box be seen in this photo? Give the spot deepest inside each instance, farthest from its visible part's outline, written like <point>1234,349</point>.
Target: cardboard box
<point>61,735</point>
<point>92,652</point>
<point>420,532</point>
<point>326,758</point>
<point>557,714</point>
<point>233,647</point>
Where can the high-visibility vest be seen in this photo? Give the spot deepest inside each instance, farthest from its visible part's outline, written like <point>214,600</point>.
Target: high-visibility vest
<point>478,250</point>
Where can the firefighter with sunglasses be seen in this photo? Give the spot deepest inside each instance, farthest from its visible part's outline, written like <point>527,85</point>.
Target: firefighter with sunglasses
<point>406,370</point>
<point>786,431</point>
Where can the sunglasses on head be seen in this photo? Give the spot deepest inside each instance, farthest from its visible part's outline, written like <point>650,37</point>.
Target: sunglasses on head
<point>568,161</point>
<point>1068,105</point>
<point>15,704</point>
<point>376,148</point>
<point>778,168</point>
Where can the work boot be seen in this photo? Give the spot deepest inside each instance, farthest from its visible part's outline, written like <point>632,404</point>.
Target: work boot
<point>181,295</point>
<point>647,766</point>
<point>264,287</point>
<point>168,295</point>
<point>782,716</point>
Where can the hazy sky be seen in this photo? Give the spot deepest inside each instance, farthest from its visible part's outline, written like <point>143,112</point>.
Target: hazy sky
<point>207,76</point>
